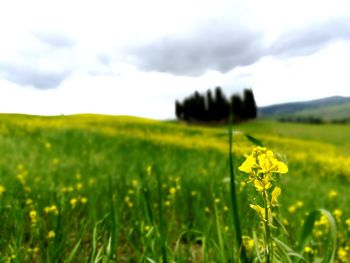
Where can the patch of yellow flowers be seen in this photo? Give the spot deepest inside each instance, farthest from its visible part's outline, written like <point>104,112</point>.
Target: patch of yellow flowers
<point>261,164</point>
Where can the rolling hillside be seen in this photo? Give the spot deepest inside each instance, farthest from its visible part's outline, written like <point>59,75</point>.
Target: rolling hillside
<point>334,108</point>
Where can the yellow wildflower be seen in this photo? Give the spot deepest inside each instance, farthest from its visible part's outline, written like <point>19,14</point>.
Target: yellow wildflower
<point>337,213</point>
<point>167,203</point>
<point>147,228</point>
<point>79,186</point>
<point>2,189</point>
<point>292,209</point>
<point>83,200</point>
<point>51,234</point>
<point>343,254</point>
<point>207,210</point>
<point>33,216</point>
<point>262,161</point>
<point>299,204</point>
<point>274,196</point>
<point>73,202</point>
<point>135,183</point>
<point>308,249</point>
<point>332,194</point>
<point>225,208</point>
<point>172,190</point>
<point>51,209</point>
<point>261,212</point>
<point>262,185</point>
<point>248,242</point>
<point>29,201</point>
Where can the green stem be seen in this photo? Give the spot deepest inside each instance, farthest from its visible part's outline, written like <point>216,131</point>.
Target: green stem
<point>267,229</point>
<point>237,224</point>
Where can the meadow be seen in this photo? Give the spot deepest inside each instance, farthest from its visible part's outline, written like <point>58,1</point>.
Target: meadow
<point>95,188</point>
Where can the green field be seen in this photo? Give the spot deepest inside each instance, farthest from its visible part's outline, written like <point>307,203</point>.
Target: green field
<point>93,188</point>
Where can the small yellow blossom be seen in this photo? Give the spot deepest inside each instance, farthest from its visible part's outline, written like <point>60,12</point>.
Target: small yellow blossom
<point>225,208</point>
<point>135,183</point>
<point>207,210</point>
<point>51,209</point>
<point>83,200</point>
<point>248,242</point>
<point>2,189</point>
<point>292,209</point>
<point>73,202</point>
<point>51,234</point>
<point>217,200</point>
<point>29,201</point>
<point>172,190</point>
<point>261,212</point>
<point>308,250</point>
<point>79,186</point>
<point>274,196</point>
<point>167,203</point>
<point>299,204</point>
<point>147,228</point>
<point>48,146</point>
<point>332,194</point>
<point>337,213</point>
<point>149,170</point>
<point>343,254</point>
<point>55,161</point>
<point>33,216</point>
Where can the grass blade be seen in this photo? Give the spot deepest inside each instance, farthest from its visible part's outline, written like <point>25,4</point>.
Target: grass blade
<point>237,224</point>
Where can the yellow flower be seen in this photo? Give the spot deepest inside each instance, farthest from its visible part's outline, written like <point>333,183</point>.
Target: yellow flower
<point>262,185</point>
<point>308,249</point>
<point>167,203</point>
<point>172,190</point>
<point>248,242</point>
<point>262,161</point>
<point>51,209</point>
<point>147,228</point>
<point>343,254</point>
<point>337,213</point>
<point>2,189</point>
<point>79,186</point>
<point>83,200</point>
<point>248,165</point>
<point>33,216</point>
<point>332,194</point>
<point>292,209</point>
<point>261,212</point>
<point>51,234</point>
<point>73,202</point>
<point>300,204</point>
<point>274,196</point>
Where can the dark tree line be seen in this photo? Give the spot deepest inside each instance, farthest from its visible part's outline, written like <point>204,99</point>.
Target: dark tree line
<point>217,107</point>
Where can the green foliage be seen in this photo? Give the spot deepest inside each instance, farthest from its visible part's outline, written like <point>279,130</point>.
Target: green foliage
<point>94,170</point>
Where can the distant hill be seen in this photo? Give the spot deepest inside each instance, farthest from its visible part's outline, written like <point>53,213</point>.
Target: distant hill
<point>336,108</point>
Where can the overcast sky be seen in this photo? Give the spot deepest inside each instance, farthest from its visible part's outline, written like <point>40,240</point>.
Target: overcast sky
<point>137,57</point>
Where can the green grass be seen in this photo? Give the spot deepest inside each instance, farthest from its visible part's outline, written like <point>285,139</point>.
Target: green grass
<point>52,160</point>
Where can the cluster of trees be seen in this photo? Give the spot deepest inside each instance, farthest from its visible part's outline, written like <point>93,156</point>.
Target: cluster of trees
<point>217,107</point>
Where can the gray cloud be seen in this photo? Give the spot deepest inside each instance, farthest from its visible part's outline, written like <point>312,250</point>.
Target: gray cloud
<point>224,47</point>
<point>28,75</point>
<point>217,48</point>
<point>311,38</point>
